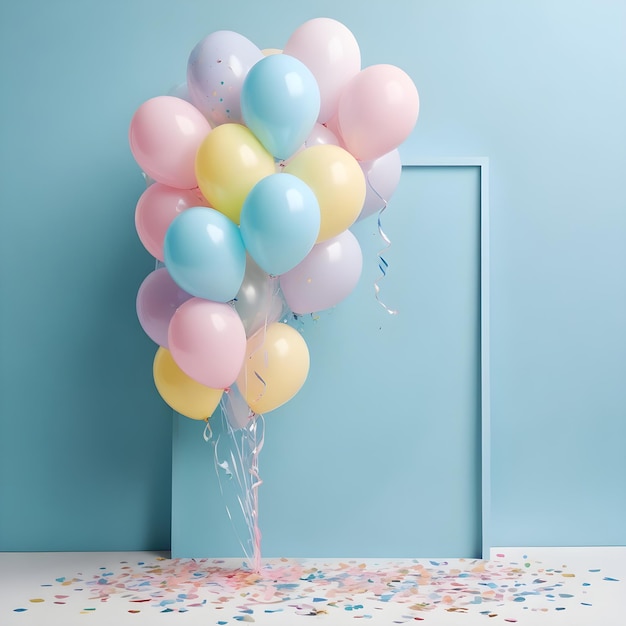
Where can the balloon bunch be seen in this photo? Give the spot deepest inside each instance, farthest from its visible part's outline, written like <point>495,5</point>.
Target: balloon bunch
<point>261,164</point>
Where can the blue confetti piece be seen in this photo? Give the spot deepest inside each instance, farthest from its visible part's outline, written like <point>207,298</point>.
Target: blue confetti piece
<point>566,595</point>
<point>167,611</point>
<point>586,604</point>
<point>613,580</point>
<point>60,580</point>
<point>248,611</point>
<point>519,599</point>
<point>19,610</point>
<point>433,562</point>
<point>560,608</point>
<point>221,623</point>
<point>586,584</point>
<point>319,599</point>
<point>273,611</point>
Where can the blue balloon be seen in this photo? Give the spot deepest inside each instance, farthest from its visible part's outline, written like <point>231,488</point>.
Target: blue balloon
<point>280,103</point>
<point>280,222</point>
<point>205,255</point>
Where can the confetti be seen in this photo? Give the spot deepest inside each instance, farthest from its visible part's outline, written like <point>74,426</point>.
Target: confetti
<point>355,588</point>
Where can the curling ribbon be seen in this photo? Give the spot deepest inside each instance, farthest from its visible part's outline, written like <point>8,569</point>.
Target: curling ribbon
<point>383,266</point>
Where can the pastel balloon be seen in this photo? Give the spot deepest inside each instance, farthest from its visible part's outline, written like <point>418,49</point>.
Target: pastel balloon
<point>280,221</point>
<point>165,133</point>
<point>377,111</point>
<point>216,70</point>
<point>157,300</point>
<point>328,274</point>
<point>332,53</point>
<point>156,210</point>
<point>382,176</point>
<point>259,301</point>
<point>337,180</point>
<point>319,136</point>
<point>181,393</point>
<point>280,102</point>
<point>208,342</point>
<point>204,254</point>
<point>228,164</point>
<point>275,368</point>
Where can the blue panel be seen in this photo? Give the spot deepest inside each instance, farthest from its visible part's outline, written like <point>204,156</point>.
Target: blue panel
<point>379,453</point>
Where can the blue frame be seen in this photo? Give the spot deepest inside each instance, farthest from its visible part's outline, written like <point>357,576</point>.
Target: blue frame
<point>483,164</point>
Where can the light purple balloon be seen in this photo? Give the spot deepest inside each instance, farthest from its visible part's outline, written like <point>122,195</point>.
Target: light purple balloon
<point>325,277</point>
<point>216,70</point>
<point>382,176</point>
<point>157,300</point>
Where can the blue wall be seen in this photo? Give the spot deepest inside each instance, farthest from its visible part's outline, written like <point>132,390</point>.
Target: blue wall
<point>538,87</point>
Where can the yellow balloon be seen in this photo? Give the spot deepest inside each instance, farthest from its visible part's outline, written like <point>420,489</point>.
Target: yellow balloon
<point>229,162</point>
<point>183,394</point>
<point>337,180</point>
<point>276,367</point>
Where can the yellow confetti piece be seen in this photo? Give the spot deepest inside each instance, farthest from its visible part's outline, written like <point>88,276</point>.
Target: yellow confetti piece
<point>569,575</point>
<point>35,600</point>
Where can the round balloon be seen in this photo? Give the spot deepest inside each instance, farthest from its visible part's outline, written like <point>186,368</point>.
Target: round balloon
<point>275,368</point>
<point>382,176</point>
<point>327,275</point>
<point>332,54</point>
<point>216,69</point>
<point>165,133</point>
<point>157,300</point>
<point>259,301</point>
<point>280,221</point>
<point>208,342</point>
<point>337,180</point>
<point>181,393</point>
<point>228,164</point>
<point>204,254</point>
<point>280,102</point>
<point>156,210</point>
<point>377,111</point>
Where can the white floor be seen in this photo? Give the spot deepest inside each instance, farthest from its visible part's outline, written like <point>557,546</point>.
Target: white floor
<point>569,586</point>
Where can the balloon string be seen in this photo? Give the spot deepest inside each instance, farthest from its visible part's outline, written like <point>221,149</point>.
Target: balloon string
<point>254,471</point>
<point>241,470</point>
<point>383,266</point>
<point>208,433</point>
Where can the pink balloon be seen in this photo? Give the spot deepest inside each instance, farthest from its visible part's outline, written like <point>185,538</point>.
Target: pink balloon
<point>208,342</point>
<point>332,54</point>
<point>157,300</point>
<point>165,133</point>
<point>377,111</point>
<point>325,277</point>
<point>157,208</point>
<point>319,136</point>
<point>382,177</point>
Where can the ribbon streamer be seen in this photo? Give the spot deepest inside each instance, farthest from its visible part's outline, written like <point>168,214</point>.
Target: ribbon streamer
<point>236,457</point>
<point>383,266</point>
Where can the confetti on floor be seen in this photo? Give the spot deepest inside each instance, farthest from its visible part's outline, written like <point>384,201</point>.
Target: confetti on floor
<point>357,589</point>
